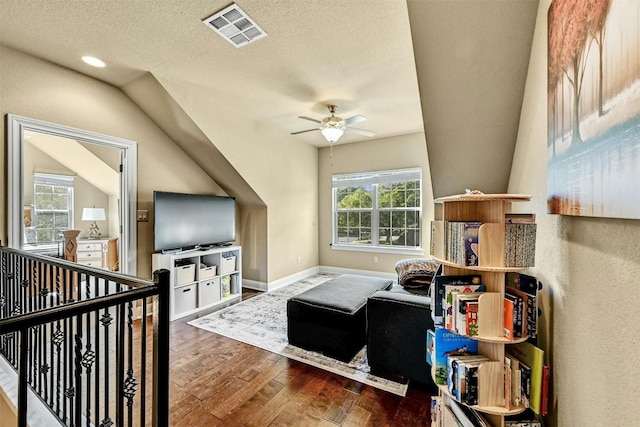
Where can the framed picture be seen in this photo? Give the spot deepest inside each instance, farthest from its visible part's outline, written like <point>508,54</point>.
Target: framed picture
<point>593,103</point>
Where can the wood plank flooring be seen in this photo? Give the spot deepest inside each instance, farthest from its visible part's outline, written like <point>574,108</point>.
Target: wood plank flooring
<point>217,381</point>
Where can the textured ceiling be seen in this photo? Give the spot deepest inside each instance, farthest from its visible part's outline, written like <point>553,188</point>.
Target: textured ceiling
<point>466,78</point>
<point>357,54</point>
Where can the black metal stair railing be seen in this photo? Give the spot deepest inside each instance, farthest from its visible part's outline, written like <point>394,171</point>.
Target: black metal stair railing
<point>85,341</point>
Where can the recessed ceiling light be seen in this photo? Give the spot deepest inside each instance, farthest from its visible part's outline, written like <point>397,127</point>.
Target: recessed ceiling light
<point>94,62</point>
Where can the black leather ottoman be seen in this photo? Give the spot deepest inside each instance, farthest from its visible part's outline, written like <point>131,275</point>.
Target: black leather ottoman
<point>331,317</point>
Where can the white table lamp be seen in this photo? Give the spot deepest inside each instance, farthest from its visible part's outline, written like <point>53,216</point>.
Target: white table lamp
<point>93,214</point>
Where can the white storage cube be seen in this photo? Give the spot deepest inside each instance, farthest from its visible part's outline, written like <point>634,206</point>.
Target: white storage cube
<point>185,298</point>
<point>207,272</point>
<point>228,265</point>
<point>185,274</point>
<point>209,292</point>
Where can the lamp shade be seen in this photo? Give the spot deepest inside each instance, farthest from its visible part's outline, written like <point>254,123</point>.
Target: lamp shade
<point>332,133</point>
<point>93,214</point>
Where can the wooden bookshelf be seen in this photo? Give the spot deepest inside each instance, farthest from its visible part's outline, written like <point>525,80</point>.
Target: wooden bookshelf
<point>490,210</point>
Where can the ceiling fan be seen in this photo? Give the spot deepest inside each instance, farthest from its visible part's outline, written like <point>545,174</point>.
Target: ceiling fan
<point>333,127</point>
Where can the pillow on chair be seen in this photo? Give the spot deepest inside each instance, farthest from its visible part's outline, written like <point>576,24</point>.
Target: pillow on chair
<point>416,272</point>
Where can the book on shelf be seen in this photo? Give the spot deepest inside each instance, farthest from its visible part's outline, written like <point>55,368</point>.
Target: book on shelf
<point>521,423</point>
<point>448,309</point>
<point>461,415</point>
<point>525,384</point>
<point>509,318</point>
<point>507,384</point>
<point>431,338</point>
<point>524,419</point>
<point>448,418</point>
<point>468,381</point>
<point>436,403</point>
<point>447,343</point>
<point>519,218</point>
<point>533,358</point>
<point>544,392</point>
<point>519,244</point>
<point>466,313</point>
<point>437,290</point>
<point>513,382</point>
<point>437,239</point>
<point>513,316</point>
<point>462,242</point>
<point>456,372</point>
<point>522,283</point>
<point>471,319</point>
<point>527,313</point>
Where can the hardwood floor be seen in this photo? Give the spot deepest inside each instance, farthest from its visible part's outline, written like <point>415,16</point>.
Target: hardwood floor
<point>217,381</point>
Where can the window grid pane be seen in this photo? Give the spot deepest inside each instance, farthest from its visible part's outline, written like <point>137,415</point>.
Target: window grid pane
<point>392,208</point>
<point>52,205</point>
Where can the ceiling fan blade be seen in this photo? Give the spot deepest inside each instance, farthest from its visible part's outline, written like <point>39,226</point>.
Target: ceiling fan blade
<point>355,119</point>
<point>309,118</point>
<point>303,131</point>
<point>362,131</point>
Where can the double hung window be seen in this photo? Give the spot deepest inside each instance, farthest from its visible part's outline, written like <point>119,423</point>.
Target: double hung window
<point>377,210</point>
<point>53,206</point>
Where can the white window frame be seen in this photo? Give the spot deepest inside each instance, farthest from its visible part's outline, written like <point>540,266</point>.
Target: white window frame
<point>374,179</point>
<point>53,180</point>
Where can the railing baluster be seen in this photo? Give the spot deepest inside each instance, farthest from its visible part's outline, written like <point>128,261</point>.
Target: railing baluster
<point>57,341</point>
<point>120,366</point>
<point>96,393</point>
<point>67,372</point>
<point>130,383</point>
<point>87,358</point>
<point>143,363</point>
<point>22,380</point>
<point>106,320</point>
<point>77,414</point>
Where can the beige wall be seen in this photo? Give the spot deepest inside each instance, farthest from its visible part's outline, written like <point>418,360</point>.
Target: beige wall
<point>37,89</point>
<point>398,152</point>
<point>590,269</point>
<point>281,170</point>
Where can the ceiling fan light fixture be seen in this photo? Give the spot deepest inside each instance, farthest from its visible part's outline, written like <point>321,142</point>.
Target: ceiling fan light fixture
<point>332,133</point>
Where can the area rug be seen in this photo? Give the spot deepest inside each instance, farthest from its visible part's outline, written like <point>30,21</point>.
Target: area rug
<point>262,321</point>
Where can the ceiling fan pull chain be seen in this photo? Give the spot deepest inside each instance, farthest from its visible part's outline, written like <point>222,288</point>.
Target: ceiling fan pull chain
<point>331,153</point>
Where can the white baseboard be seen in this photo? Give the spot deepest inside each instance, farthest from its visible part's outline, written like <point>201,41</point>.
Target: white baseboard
<point>263,286</point>
<point>254,284</point>
<point>341,270</point>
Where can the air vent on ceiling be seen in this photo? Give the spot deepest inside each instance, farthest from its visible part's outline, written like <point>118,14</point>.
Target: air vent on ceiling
<point>235,26</point>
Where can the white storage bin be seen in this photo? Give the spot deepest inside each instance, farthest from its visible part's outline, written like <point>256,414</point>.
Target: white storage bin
<point>207,272</point>
<point>185,298</point>
<point>228,265</point>
<point>185,274</point>
<point>209,292</point>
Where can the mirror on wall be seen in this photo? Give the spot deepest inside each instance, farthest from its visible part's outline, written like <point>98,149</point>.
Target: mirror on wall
<point>61,178</point>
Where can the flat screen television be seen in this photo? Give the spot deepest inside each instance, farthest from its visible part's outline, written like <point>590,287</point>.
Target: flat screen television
<point>185,221</point>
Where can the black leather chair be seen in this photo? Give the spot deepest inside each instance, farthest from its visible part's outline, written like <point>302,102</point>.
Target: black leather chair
<point>397,324</point>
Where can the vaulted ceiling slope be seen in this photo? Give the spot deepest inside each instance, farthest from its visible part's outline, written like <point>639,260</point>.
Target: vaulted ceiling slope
<point>455,69</point>
<point>472,59</point>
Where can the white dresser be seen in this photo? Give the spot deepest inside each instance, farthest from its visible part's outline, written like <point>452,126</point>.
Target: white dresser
<point>99,253</point>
